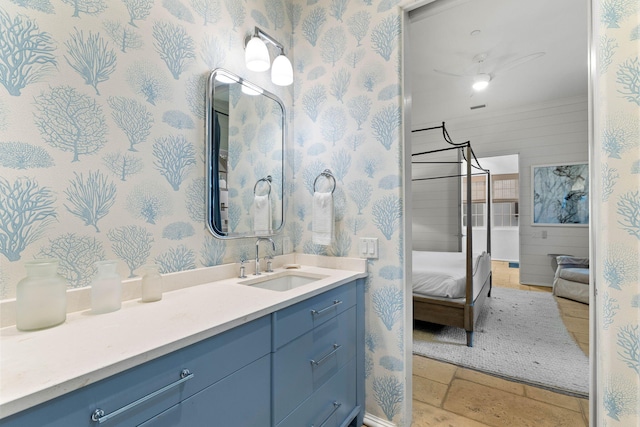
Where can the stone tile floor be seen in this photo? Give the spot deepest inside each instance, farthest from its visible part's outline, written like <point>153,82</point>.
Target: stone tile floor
<point>445,395</point>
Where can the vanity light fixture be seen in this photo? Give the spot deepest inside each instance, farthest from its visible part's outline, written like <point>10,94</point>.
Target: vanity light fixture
<point>256,56</point>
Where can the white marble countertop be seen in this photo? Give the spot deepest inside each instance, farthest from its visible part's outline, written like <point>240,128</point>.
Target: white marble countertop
<point>41,365</point>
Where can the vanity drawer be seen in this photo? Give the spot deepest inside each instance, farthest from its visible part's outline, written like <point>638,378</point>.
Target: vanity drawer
<point>306,363</point>
<point>330,405</point>
<point>294,321</point>
<point>241,399</point>
<point>208,361</point>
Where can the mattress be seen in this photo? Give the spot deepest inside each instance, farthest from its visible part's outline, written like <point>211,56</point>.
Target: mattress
<point>443,274</point>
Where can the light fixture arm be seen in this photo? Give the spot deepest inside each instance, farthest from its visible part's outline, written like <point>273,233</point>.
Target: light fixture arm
<point>265,37</point>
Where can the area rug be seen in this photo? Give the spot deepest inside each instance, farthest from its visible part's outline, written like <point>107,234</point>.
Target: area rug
<point>519,336</point>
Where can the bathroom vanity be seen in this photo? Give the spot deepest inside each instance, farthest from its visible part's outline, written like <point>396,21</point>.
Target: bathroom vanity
<point>224,353</point>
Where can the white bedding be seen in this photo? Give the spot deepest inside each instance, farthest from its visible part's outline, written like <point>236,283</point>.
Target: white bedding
<point>442,274</point>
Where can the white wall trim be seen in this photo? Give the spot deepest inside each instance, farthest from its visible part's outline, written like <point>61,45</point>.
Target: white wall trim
<point>373,421</point>
<point>595,111</point>
<point>407,225</point>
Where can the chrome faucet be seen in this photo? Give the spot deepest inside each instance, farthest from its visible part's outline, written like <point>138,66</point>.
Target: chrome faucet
<point>273,247</point>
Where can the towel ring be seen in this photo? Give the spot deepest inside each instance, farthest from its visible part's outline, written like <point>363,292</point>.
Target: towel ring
<point>266,179</point>
<point>327,174</point>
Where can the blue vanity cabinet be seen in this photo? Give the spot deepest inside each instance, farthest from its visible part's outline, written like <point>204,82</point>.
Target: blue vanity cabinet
<point>300,366</point>
<point>226,360</point>
<point>318,360</point>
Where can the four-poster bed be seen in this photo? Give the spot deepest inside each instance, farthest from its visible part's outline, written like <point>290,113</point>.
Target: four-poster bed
<point>450,288</point>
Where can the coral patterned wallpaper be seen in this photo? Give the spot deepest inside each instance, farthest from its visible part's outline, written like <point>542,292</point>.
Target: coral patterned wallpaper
<point>616,160</point>
<point>102,141</point>
<point>102,130</point>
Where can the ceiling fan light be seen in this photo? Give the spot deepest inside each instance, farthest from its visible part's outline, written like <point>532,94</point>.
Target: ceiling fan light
<point>256,55</point>
<point>480,82</point>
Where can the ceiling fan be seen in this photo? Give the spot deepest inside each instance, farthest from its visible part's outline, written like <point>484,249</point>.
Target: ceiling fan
<point>482,72</point>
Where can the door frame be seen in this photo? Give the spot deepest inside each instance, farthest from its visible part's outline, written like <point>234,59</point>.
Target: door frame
<point>406,6</point>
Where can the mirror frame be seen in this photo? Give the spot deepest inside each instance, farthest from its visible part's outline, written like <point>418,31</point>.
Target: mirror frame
<point>212,168</point>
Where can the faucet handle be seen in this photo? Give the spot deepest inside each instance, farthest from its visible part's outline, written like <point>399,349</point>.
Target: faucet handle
<point>242,273</point>
<point>269,264</point>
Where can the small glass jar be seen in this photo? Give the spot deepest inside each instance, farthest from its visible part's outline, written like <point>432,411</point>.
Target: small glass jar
<point>41,297</point>
<point>151,283</point>
<point>106,288</point>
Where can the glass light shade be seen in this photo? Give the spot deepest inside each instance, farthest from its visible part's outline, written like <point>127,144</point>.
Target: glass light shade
<point>282,71</point>
<point>256,55</point>
<point>481,81</point>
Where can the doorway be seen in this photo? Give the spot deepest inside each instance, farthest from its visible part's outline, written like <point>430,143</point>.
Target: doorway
<point>501,189</point>
<point>500,137</point>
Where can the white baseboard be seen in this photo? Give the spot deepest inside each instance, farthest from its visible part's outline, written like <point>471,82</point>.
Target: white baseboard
<point>373,421</point>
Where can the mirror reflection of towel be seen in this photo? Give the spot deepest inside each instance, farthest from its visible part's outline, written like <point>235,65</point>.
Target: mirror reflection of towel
<point>322,218</point>
<point>261,215</point>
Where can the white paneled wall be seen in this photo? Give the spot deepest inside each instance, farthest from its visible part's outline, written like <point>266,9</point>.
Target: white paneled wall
<point>550,133</point>
<point>436,218</point>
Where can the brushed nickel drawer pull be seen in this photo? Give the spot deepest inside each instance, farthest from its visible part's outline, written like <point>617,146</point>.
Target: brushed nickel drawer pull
<point>326,356</point>
<point>336,406</point>
<point>317,312</point>
<point>100,417</point>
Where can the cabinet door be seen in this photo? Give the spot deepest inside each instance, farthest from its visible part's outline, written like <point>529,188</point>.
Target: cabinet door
<point>242,399</point>
<point>331,405</point>
<point>209,361</point>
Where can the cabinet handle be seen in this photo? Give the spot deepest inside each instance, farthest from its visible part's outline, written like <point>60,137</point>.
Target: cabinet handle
<point>326,356</point>
<point>100,417</point>
<point>336,406</point>
<point>317,312</point>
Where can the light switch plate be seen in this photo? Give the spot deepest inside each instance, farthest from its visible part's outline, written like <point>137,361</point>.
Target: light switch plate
<point>369,247</point>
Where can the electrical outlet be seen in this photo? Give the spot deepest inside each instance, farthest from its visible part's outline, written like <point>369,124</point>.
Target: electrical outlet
<point>369,247</point>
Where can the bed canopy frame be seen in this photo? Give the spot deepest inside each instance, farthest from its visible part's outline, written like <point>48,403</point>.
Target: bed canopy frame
<point>472,163</point>
<point>450,312</point>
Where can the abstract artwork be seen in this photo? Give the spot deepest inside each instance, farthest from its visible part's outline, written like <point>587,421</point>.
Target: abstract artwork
<point>561,194</point>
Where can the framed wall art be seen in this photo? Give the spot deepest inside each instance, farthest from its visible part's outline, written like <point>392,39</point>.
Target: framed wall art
<point>560,194</point>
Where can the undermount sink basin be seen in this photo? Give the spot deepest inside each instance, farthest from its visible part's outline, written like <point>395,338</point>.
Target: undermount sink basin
<point>283,281</point>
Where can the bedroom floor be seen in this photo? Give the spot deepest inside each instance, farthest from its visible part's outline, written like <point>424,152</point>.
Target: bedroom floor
<point>445,395</point>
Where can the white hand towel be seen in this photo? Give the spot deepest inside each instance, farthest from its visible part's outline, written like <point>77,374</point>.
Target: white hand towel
<point>322,218</point>
<point>261,215</point>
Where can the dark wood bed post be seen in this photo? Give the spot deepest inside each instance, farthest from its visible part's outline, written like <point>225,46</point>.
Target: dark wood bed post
<point>468,306</point>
